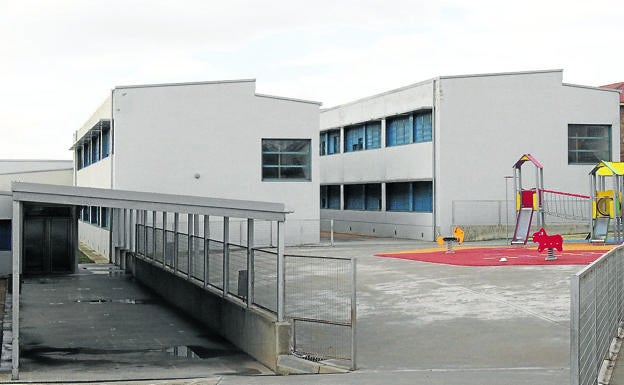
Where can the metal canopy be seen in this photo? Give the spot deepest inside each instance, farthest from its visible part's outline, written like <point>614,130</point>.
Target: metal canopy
<point>87,196</point>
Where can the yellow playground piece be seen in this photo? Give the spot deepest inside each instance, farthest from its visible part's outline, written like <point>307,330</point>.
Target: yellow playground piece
<point>458,236</point>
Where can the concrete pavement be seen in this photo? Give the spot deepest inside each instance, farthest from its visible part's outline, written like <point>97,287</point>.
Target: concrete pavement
<point>418,323</point>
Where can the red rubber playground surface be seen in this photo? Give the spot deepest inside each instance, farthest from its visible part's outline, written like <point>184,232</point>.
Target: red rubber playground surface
<point>572,254</point>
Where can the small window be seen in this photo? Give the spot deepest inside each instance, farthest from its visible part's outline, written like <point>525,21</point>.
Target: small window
<point>87,154</point>
<point>589,143</point>
<point>329,142</point>
<point>365,136</point>
<point>286,159</point>
<point>94,215</point>
<point>104,211</point>
<point>95,149</point>
<point>79,162</point>
<point>5,234</point>
<point>330,197</point>
<point>105,143</point>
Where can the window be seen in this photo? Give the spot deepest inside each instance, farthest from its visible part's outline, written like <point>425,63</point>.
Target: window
<point>79,162</point>
<point>365,136</point>
<point>330,197</point>
<point>105,143</point>
<point>95,149</point>
<point>286,159</point>
<point>87,154</point>
<point>409,196</point>
<point>94,215</point>
<point>363,197</point>
<point>5,234</point>
<point>84,213</point>
<point>330,142</point>
<point>588,143</point>
<point>411,128</point>
<point>104,217</point>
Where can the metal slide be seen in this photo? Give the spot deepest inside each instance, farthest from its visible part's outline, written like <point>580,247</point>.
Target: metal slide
<point>601,229</point>
<point>523,226</point>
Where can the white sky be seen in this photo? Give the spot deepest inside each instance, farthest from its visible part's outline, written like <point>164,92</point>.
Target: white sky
<point>61,58</point>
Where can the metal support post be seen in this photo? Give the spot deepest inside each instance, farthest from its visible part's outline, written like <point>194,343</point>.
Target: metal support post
<point>226,255</point>
<point>189,249</point>
<point>17,259</point>
<point>353,312</point>
<point>206,249</point>
<point>331,232</point>
<point>164,242</point>
<point>281,278</point>
<point>176,220</point>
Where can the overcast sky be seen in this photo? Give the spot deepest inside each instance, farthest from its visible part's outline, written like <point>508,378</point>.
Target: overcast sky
<point>61,58</point>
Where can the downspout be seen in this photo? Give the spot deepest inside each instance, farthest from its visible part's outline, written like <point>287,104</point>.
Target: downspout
<point>111,222</point>
<point>433,163</point>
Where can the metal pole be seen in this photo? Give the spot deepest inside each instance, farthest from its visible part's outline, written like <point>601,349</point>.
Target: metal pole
<point>331,232</point>
<point>189,247</point>
<point>353,313</point>
<point>176,224</point>
<point>206,249</point>
<point>281,278</point>
<point>226,255</point>
<point>17,254</point>
<point>164,242</point>
<point>250,262</point>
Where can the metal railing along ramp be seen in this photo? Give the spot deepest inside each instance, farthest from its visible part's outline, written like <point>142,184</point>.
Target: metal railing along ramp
<point>597,307</point>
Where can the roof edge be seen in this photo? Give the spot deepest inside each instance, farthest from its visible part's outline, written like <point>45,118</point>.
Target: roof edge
<point>501,74</point>
<point>289,99</point>
<point>185,83</point>
<point>591,87</point>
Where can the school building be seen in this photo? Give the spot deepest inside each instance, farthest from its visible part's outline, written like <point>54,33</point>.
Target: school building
<point>414,161</point>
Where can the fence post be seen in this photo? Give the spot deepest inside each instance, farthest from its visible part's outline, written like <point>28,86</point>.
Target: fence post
<point>164,242</point>
<point>281,279</point>
<point>353,313</point>
<point>176,224</point>
<point>331,231</point>
<point>574,329</point>
<point>250,262</point>
<point>189,247</point>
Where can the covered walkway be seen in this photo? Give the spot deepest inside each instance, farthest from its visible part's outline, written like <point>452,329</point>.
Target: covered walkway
<point>129,210</point>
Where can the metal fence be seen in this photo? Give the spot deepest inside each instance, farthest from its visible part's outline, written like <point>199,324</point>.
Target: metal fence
<point>321,302</point>
<point>319,292</point>
<point>597,307</point>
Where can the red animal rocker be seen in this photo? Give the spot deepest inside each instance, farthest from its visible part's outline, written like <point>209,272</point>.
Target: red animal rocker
<point>549,242</point>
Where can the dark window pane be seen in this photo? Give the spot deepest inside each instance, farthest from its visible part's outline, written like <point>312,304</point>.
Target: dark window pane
<point>286,159</point>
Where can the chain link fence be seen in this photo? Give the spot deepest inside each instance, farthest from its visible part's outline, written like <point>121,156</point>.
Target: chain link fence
<point>597,308</point>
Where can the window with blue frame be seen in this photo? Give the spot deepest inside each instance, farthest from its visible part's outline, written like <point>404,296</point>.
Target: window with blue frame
<point>95,149</point>
<point>87,154</point>
<point>79,160</point>
<point>330,197</point>
<point>330,142</point>
<point>94,215</point>
<point>5,234</point>
<point>105,143</point>
<point>354,138</point>
<point>362,197</point>
<point>415,127</point>
<point>286,159</point>
<point>366,136</point>
<point>410,196</point>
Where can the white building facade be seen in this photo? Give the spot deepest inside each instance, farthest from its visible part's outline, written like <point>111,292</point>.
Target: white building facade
<point>409,162</point>
<point>211,139</point>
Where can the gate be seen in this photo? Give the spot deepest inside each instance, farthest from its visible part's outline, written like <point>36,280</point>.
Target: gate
<point>321,303</point>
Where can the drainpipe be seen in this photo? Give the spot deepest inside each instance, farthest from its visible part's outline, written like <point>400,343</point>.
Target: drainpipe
<point>434,125</point>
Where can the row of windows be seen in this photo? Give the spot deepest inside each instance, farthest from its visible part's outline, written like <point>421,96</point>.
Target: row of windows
<point>414,127</point>
<point>95,149</point>
<point>99,216</point>
<point>400,196</point>
<point>588,143</point>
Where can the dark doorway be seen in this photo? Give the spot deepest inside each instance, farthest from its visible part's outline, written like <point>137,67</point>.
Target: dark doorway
<point>48,240</point>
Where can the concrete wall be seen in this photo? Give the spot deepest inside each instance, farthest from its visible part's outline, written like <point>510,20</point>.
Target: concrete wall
<point>96,175</point>
<point>166,135</point>
<point>61,177</point>
<point>254,332</point>
<point>95,237</point>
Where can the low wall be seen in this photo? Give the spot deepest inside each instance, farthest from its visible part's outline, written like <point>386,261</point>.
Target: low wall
<point>252,331</point>
<point>490,232</point>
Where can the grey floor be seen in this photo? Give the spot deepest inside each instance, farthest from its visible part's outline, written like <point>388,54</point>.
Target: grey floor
<point>100,325</point>
<point>418,323</point>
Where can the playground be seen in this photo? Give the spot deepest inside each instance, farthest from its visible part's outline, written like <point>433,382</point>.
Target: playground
<point>601,210</point>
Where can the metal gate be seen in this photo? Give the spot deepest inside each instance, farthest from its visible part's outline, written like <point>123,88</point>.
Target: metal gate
<point>321,304</point>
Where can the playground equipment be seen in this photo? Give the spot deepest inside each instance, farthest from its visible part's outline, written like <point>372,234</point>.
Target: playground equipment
<point>458,236</point>
<point>606,202</point>
<point>549,242</point>
<point>528,201</point>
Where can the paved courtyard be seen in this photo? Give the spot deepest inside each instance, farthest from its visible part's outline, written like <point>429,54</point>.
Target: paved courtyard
<point>424,323</point>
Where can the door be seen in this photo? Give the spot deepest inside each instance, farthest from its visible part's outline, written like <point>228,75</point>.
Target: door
<point>48,246</point>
